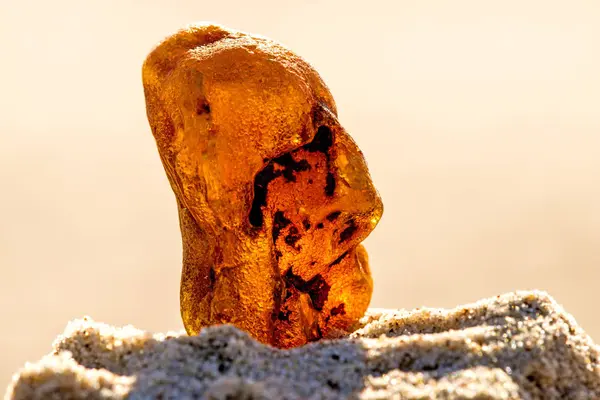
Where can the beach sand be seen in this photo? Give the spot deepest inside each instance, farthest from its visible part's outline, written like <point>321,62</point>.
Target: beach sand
<point>519,345</point>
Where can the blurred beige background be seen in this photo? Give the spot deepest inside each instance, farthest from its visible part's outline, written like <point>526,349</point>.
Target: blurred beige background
<point>480,122</point>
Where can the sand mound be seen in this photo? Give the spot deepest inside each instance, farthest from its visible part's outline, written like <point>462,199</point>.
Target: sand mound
<point>518,345</point>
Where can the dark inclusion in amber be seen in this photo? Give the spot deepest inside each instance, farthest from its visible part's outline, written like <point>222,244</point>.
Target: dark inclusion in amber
<point>274,196</point>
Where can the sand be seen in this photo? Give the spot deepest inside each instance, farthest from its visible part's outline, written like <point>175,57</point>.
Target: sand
<point>520,345</point>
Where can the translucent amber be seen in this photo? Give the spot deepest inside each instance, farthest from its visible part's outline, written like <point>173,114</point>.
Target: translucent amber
<point>274,196</point>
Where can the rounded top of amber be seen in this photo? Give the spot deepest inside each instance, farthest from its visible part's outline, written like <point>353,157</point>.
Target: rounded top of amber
<point>224,94</point>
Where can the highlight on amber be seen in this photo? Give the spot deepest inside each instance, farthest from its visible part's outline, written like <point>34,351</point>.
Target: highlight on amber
<point>274,196</point>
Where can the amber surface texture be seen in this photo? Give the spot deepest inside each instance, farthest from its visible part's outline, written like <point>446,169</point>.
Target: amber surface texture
<point>274,196</point>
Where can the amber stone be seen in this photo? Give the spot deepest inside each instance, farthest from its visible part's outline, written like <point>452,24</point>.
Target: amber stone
<point>274,196</point>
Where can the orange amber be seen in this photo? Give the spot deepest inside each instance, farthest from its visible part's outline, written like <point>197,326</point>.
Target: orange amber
<point>274,196</point>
